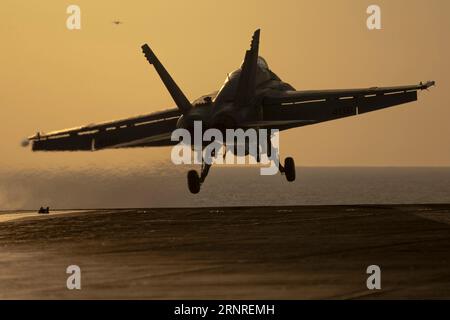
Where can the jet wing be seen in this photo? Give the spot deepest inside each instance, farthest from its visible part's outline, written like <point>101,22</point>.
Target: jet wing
<point>291,109</point>
<point>149,130</point>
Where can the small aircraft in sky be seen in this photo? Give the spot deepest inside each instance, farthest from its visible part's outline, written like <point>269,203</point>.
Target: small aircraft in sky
<point>117,22</point>
<point>252,97</point>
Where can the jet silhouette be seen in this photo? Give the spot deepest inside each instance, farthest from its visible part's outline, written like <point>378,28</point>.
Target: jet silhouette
<point>252,97</point>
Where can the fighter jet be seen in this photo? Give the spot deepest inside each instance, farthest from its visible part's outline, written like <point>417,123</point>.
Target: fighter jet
<point>253,96</point>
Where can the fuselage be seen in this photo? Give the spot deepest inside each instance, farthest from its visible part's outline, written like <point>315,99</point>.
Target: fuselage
<point>218,109</point>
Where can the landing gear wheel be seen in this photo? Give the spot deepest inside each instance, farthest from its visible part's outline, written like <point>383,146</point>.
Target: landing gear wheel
<point>289,169</point>
<point>193,182</point>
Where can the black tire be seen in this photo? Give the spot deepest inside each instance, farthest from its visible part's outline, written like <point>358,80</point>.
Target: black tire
<point>193,181</point>
<point>289,169</point>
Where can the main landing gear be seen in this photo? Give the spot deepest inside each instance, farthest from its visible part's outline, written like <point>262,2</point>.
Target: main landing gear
<point>195,180</point>
<point>288,169</point>
<point>289,165</point>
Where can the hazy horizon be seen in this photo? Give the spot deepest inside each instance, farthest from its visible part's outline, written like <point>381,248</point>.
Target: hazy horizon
<point>150,187</point>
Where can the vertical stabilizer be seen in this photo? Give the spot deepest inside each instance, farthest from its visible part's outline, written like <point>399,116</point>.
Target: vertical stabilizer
<point>177,95</point>
<point>247,82</point>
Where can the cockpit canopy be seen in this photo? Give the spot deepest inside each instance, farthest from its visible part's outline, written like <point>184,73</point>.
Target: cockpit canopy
<point>263,77</point>
<point>262,63</point>
<point>263,72</point>
<point>205,100</point>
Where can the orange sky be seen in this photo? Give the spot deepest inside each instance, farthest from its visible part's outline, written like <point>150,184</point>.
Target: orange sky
<point>52,78</point>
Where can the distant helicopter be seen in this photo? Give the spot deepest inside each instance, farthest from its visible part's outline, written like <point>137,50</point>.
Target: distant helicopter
<point>117,22</point>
